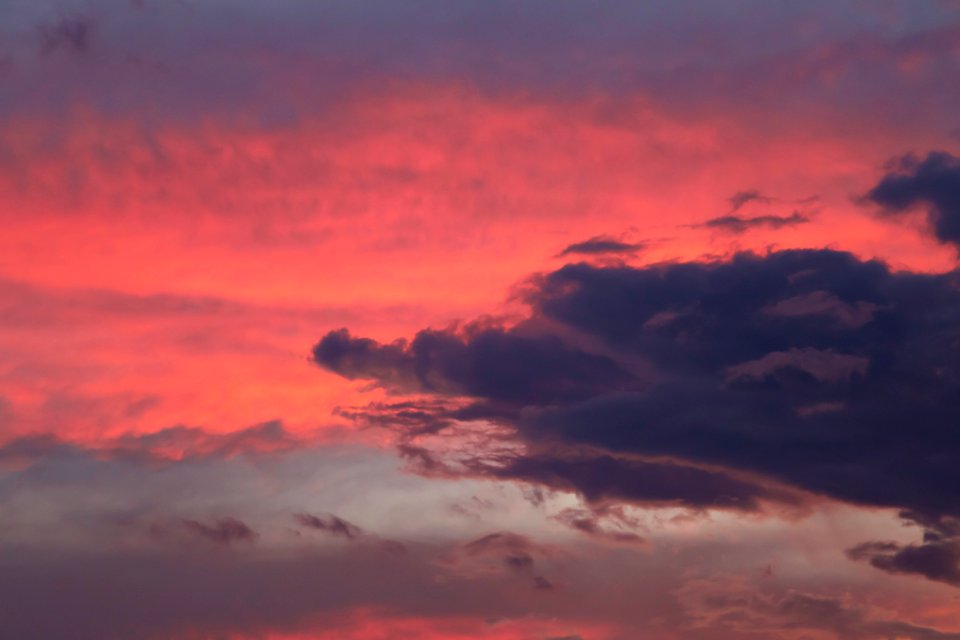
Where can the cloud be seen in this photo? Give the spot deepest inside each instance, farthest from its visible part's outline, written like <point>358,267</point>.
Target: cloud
<point>498,364</point>
<point>937,557</point>
<point>146,550</point>
<point>602,477</point>
<point>740,224</point>
<point>735,222</point>
<point>223,531</point>
<point>331,524</point>
<point>606,523</point>
<point>512,552</point>
<point>723,384</point>
<point>933,182</point>
<point>602,245</point>
<point>337,527</point>
<point>741,198</point>
<point>937,560</point>
<point>513,549</point>
<point>897,369</point>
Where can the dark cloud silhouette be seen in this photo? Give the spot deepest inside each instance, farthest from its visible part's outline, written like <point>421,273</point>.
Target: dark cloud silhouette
<point>498,364</point>
<point>740,224</point>
<point>600,478</point>
<point>807,368</point>
<point>937,557</point>
<point>407,416</point>
<point>740,198</point>
<point>937,560</point>
<point>734,221</point>
<point>337,527</point>
<point>607,477</point>
<point>593,523</point>
<point>827,402</point>
<point>331,524</point>
<point>222,531</point>
<point>933,182</point>
<point>602,245</point>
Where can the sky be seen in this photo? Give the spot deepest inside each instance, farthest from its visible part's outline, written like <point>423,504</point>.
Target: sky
<point>442,320</point>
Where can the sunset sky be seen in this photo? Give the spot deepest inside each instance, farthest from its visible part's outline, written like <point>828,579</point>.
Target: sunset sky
<point>442,320</point>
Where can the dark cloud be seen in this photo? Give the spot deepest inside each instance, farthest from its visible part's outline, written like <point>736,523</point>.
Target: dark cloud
<point>937,560</point>
<point>223,531</point>
<point>494,363</point>
<point>602,245</point>
<point>937,557</point>
<point>406,416</point>
<point>933,182</point>
<point>158,596</point>
<point>597,524</point>
<point>741,198</point>
<point>336,526</point>
<point>599,478</point>
<point>734,222</point>
<point>807,368</point>
<point>828,401</point>
<point>331,524</point>
<point>740,224</point>
<point>515,552</point>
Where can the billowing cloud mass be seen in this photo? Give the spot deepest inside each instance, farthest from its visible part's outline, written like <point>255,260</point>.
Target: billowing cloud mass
<point>446,320</point>
<point>806,369</point>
